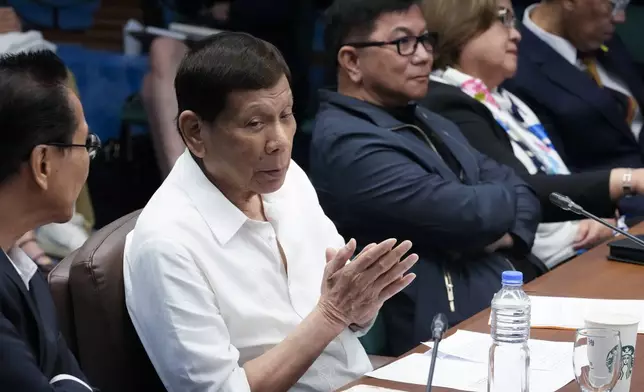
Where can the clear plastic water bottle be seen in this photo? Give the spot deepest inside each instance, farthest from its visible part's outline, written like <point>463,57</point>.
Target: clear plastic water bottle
<point>509,360</point>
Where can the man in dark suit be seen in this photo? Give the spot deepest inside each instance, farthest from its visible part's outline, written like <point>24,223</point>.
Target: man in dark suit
<point>573,70</point>
<point>387,168</point>
<point>45,149</point>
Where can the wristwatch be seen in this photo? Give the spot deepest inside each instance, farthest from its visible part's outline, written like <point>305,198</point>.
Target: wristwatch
<point>627,183</point>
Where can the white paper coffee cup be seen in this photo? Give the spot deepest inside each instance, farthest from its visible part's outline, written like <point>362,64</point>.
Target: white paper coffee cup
<point>627,327</point>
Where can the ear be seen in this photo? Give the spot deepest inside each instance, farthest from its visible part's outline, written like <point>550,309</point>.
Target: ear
<point>348,60</point>
<point>40,165</point>
<point>190,126</point>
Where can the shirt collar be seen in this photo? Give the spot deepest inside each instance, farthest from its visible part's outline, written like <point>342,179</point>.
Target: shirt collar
<point>25,267</point>
<point>558,44</point>
<point>359,108</point>
<point>221,215</point>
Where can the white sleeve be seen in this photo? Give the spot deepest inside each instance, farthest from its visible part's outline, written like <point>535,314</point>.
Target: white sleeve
<point>175,314</point>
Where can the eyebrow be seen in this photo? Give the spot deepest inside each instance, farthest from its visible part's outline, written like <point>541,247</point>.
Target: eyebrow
<point>407,31</point>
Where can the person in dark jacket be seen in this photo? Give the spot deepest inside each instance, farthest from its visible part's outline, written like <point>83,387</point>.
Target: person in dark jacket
<point>478,52</point>
<point>385,167</point>
<point>574,69</point>
<point>45,148</point>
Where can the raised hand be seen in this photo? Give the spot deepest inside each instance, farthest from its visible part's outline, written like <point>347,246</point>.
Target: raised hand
<point>353,292</point>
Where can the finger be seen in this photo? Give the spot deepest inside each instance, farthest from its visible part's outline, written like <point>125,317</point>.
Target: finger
<point>396,272</point>
<point>372,255</point>
<point>341,257</point>
<point>388,261</point>
<point>366,248</point>
<point>585,242</point>
<point>330,254</point>
<point>396,287</point>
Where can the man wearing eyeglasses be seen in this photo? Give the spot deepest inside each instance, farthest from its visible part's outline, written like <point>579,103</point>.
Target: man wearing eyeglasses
<point>45,149</point>
<point>574,70</point>
<point>384,167</point>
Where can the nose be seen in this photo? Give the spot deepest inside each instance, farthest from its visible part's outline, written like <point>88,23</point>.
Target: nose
<point>619,17</point>
<point>278,139</point>
<point>515,35</point>
<point>423,55</point>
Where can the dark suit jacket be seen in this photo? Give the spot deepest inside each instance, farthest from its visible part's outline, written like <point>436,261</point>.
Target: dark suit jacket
<point>377,179</point>
<point>474,120</point>
<point>587,118</point>
<point>32,349</point>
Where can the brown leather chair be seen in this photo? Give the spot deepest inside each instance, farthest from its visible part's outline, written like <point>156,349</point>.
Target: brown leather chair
<point>87,287</point>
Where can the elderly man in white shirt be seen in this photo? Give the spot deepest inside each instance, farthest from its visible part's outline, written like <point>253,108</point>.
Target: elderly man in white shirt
<point>235,280</point>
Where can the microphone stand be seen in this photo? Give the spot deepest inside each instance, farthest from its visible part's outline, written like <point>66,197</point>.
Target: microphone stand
<point>439,326</point>
<point>565,203</point>
<point>430,376</point>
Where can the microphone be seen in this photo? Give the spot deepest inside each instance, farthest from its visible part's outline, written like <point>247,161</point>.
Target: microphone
<point>566,204</point>
<point>439,326</point>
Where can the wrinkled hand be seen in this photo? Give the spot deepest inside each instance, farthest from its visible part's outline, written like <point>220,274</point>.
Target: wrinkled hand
<point>9,21</point>
<point>504,242</point>
<point>591,233</point>
<point>352,293</point>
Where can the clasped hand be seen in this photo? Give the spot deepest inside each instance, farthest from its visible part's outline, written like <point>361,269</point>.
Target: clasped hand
<point>353,292</point>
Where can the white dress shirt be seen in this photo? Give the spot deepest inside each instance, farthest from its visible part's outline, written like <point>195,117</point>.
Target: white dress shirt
<point>23,264</point>
<point>207,291</point>
<point>569,53</point>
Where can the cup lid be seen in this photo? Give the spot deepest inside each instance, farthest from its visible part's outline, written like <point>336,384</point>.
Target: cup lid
<point>612,318</point>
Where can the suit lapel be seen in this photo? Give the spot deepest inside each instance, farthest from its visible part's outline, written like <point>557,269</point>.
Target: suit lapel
<point>9,270</point>
<point>570,78</point>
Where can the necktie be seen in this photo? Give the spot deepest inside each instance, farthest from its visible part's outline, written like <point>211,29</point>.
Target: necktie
<point>628,103</point>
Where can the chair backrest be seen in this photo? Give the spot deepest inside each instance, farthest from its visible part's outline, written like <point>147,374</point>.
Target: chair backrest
<point>94,317</point>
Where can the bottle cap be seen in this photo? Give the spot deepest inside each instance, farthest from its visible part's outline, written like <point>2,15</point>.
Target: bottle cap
<point>514,278</point>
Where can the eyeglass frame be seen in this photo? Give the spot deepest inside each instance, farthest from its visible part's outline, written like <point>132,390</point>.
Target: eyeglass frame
<point>428,37</point>
<point>92,144</point>
<point>507,18</point>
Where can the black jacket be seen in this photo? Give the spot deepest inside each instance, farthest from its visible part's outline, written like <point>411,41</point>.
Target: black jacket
<point>32,349</point>
<point>477,124</point>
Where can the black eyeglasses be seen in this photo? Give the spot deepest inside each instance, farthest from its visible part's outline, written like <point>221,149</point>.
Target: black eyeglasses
<point>507,18</point>
<point>406,46</point>
<point>92,144</point>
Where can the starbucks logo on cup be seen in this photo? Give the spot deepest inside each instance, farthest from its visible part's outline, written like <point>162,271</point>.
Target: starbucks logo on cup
<point>628,360</point>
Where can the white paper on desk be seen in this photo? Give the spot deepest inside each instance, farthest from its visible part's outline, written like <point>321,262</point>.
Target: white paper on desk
<point>569,313</point>
<point>474,346</point>
<point>449,372</point>
<point>370,388</point>
<point>460,374</point>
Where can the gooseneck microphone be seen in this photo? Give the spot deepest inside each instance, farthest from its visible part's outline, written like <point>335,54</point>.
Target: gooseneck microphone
<point>439,326</point>
<point>566,204</point>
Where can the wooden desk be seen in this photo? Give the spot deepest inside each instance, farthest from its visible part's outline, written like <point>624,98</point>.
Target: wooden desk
<point>590,275</point>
